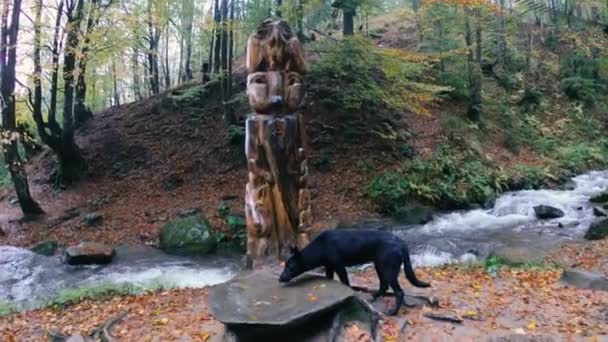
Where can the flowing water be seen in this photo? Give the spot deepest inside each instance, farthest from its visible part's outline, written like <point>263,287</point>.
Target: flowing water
<point>511,223</point>
<point>27,278</point>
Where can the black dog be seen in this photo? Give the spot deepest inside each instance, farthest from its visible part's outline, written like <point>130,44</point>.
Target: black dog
<point>338,249</point>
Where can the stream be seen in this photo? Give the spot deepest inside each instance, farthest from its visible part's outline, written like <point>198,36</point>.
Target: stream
<point>28,279</point>
<point>473,235</point>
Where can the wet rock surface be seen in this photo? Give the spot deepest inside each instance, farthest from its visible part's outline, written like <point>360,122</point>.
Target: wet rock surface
<point>257,298</point>
<point>546,212</point>
<point>597,230</point>
<point>89,253</point>
<point>585,280</point>
<point>256,307</point>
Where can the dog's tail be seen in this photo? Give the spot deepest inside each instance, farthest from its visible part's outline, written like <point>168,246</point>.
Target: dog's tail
<point>409,271</point>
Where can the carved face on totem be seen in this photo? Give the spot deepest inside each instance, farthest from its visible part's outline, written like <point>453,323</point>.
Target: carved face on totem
<point>275,62</point>
<point>275,92</point>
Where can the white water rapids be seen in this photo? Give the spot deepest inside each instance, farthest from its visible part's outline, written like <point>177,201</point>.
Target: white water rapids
<point>460,235</point>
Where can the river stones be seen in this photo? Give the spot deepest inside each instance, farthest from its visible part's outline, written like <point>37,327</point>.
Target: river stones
<point>597,230</point>
<point>191,235</point>
<point>89,253</point>
<point>414,214</point>
<point>545,212</point>
<point>598,212</point>
<point>585,280</point>
<point>601,198</point>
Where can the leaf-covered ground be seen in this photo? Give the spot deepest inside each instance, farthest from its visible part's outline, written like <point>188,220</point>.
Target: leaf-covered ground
<point>528,301</point>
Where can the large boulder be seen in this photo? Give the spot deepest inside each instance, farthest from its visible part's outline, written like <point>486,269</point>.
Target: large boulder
<point>597,231</point>
<point>257,298</point>
<point>89,253</point>
<point>585,280</point>
<point>256,307</point>
<point>191,235</point>
<point>545,212</point>
<point>46,248</point>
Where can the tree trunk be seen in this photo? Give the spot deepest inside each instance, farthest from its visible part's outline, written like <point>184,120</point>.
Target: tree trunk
<point>478,37</point>
<point>81,112</point>
<point>9,136</point>
<point>188,41</point>
<point>153,39</point>
<point>70,159</point>
<point>502,42</point>
<point>57,43</point>
<point>135,70</point>
<point>474,111</point>
<point>167,65</point>
<point>218,37</point>
<point>115,84</point>
<point>349,24</point>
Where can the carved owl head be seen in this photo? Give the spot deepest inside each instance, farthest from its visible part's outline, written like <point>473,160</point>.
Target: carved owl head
<point>274,46</point>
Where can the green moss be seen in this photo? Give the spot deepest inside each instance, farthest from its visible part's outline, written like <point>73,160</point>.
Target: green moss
<point>97,292</point>
<point>192,235</point>
<point>7,309</point>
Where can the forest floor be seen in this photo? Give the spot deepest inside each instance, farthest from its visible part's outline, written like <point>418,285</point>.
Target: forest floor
<point>149,161</point>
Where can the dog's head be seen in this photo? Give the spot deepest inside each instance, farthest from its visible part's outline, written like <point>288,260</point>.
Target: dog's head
<point>293,267</point>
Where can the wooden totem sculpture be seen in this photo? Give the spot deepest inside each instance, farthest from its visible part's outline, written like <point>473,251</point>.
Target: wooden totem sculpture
<point>277,198</point>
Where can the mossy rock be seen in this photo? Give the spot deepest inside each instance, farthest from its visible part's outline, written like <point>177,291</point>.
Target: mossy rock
<point>191,235</point>
<point>46,248</point>
<point>601,198</point>
<point>597,231</point>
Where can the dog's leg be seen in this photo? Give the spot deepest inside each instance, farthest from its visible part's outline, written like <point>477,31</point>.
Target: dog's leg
<point>329,272</point>
<point>381,291</point>
<point>343,275</point>
<point>383,285</point>
<point>398,296</point>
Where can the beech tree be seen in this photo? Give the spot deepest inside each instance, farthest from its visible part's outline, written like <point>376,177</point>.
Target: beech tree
<point>9,32</point>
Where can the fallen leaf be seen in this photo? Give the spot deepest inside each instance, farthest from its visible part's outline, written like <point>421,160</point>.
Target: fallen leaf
<point>532,325</point>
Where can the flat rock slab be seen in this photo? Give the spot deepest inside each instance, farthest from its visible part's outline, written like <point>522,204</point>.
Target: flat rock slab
<point>89,253</point>
<point>585,280</point>
<point>523,254</point>
<point>257,298</point>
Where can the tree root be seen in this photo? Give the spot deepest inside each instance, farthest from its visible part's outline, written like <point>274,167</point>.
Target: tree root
<point>101,333</point>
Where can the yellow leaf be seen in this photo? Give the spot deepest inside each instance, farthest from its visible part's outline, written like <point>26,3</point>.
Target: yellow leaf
<point>163,321</point>
<point>471,313</point>
<point>205,336</point>
<point>532,325</point>
<point>476,286</point>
